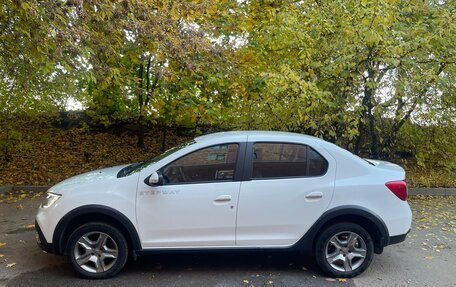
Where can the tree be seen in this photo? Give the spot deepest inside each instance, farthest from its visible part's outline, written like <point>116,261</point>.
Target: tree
<point>358,73</point>
<point>153,58</point>
<point>351,72</point>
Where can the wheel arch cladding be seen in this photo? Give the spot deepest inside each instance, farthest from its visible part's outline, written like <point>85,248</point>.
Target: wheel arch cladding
<point>94,213</point>
<point>373,224</point>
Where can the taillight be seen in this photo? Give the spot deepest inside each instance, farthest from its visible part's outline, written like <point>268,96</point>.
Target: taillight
<point>399,188</point>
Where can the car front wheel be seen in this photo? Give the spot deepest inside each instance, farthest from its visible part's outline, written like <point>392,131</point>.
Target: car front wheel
<point>97,250</point>
<point>344,250</point>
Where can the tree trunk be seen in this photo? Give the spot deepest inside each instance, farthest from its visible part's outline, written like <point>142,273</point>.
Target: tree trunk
<point>373,133</point>
<point>140,133</point>
<point>163,144</point>
<point>367,114</point>
<point>357,147</point>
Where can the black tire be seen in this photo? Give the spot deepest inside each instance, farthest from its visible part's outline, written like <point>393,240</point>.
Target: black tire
<point>114,245</point>
<point>343,230</point>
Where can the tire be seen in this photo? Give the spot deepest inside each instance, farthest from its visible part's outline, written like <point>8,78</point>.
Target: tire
<point>344,250</point>
<point>97,250</point>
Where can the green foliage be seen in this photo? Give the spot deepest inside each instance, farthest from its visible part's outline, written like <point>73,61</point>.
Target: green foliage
<point>431,145</point>
<point>354,74</point>
<point>375,77</point>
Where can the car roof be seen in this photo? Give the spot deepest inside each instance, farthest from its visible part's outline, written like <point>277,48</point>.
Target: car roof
<point>247,134</point>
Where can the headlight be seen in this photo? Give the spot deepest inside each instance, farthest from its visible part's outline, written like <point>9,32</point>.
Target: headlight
<point>50,199</point>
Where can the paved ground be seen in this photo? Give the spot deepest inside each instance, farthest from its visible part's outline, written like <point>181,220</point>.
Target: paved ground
<point>427,258</point>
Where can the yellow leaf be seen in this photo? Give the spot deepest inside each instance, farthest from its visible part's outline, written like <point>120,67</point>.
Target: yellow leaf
<point>342,279</point>
<point>2,244</point>
<point>30,226</point>
<point>2,255</point>
<point>10,265</point>
<point>429,257</point>
<point>20,206</point>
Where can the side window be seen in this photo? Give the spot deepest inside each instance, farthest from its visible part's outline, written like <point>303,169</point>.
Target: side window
<point>273,160</point>
<point>215,163</point>
<point>318,164</point>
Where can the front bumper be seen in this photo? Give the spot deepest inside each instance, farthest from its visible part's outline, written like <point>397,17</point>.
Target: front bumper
<point>41,240</point>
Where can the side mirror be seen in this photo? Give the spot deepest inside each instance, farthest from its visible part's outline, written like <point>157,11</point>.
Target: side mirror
<point>154,179</point>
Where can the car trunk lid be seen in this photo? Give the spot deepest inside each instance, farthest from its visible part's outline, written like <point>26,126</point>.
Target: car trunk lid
<point>397,185</point>
<point>386,165</point>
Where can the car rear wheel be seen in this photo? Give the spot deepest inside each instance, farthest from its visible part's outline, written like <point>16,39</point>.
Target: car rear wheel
<point>344,250</point>
<point>97,250</point>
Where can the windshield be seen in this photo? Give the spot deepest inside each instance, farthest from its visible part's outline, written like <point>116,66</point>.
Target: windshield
<point>132,168</point>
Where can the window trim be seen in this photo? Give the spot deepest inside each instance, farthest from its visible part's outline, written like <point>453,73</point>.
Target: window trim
<point>238,165</point>
<point>248,166</point>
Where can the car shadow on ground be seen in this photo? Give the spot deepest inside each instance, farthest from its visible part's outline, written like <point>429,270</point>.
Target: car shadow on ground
<point>226,260</point>
<point>195,269</point>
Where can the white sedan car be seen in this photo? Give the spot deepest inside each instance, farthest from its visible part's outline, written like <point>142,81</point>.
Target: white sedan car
<point>230,191</point>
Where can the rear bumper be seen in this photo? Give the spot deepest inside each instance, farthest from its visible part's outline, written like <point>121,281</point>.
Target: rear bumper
<point>397,238</point>
<point>41,240</point>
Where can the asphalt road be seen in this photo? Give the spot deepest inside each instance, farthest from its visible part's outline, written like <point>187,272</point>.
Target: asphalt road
<point>426,258</point>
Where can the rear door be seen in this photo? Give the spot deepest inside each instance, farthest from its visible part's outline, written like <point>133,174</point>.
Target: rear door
<point>291,185</point>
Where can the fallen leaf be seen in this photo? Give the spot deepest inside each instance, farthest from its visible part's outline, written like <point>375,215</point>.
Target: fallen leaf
<point>30,226</point>
<point>429,257</point>
<point>10,265</point>
<point>342,279</point>
<point>2,244</point>
<point>20,206</point>
<point>2,255</point>
<point>245,281</point>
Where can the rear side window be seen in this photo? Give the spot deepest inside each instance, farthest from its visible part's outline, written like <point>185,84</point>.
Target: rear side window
<point>317,164</point>
<point>275,160</point>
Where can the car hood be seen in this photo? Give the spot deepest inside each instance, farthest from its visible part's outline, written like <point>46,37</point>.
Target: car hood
<point>104,174</point>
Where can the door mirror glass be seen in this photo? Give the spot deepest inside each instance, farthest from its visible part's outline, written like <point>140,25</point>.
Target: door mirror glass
<point>154,179</point>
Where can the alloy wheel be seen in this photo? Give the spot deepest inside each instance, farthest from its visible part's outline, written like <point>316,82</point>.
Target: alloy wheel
<point>96,252</point>
<point>345,251</point>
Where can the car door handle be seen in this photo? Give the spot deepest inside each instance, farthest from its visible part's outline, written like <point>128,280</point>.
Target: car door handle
<point>315,195</point>
<point>223,198</point>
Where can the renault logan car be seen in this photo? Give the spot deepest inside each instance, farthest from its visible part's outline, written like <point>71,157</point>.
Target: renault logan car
<point>230,191</point>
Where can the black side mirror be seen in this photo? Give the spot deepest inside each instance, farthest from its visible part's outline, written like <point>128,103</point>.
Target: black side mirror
<point>154,179</point>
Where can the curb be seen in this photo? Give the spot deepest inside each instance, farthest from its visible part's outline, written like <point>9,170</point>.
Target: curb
<point>31,188</point>
<point>6,188</point>
<point>442,191</point>
<point>432,191</point>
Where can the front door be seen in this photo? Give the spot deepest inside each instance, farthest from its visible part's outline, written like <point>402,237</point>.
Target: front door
<point>196,206</point>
